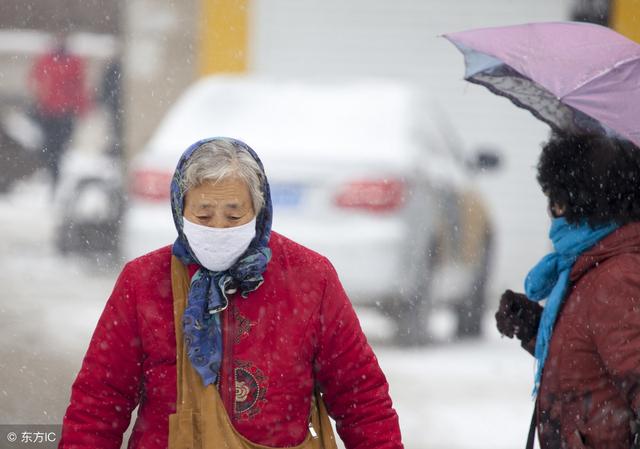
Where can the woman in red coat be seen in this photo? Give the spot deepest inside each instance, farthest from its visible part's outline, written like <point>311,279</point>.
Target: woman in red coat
<point>586,339</point>
<point>266,323</point>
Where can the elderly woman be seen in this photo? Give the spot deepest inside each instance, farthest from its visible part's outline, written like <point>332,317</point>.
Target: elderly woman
<point>586,339</point>
<point>222,338</point>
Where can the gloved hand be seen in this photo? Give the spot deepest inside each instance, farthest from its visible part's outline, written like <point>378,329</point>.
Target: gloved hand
<point>517,316</point>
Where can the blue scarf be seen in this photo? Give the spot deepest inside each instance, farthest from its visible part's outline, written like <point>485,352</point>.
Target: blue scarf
<point>550,277</point>
<point>208,290</point>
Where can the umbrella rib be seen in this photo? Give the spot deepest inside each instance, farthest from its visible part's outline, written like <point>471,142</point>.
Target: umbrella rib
<point>617,65</point>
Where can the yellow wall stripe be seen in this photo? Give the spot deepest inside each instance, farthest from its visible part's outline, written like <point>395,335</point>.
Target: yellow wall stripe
<point>223,36</point>
<point>625,18</point>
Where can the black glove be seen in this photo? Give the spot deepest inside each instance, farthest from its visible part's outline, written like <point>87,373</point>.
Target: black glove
<point>518,316</point>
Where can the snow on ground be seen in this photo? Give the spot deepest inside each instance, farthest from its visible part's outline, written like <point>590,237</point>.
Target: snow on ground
<point>466,395</point>
<point>48,308</point>
<point>448,395</point>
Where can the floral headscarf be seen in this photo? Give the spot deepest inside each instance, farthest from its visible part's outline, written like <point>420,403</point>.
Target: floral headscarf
<point>209,290</point>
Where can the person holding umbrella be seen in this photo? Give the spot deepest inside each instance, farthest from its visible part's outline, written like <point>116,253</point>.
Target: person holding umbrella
<point>586,339</point>
<point>584,81</point>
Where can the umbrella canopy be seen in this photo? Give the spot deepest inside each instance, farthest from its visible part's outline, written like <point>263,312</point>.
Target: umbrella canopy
<point>571,75</point>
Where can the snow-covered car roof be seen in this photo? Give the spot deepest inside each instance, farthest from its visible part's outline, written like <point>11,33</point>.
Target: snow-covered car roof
<point>343,122</point>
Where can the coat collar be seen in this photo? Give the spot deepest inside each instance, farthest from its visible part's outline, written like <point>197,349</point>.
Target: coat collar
<point>624,240</point>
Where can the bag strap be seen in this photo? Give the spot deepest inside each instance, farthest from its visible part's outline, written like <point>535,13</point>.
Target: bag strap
<point>322,436</point>
<point>180,290</point>
<point>532,428</point>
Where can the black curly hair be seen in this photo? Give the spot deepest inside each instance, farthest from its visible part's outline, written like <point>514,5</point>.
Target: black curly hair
<point>592,177</point>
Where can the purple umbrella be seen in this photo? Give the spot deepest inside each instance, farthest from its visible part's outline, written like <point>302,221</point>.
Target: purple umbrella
<point>570,75</point>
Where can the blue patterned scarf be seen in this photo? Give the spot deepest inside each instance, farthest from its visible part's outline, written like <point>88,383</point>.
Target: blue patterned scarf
<point>550,277</point>
<point>208,290</point>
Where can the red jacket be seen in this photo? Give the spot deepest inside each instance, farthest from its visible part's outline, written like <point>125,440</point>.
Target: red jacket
<point>57,79</point>
<point>297,327</point>
<point>590,389</point>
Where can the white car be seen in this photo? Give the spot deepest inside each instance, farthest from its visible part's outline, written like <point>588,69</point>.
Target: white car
<point>361,172</point>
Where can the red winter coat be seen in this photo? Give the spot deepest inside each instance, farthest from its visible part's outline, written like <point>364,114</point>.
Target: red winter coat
<point>590,389</point>
<point>297,327</point>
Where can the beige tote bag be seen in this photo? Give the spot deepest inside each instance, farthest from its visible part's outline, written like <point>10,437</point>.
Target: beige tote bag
<point>201,421</point>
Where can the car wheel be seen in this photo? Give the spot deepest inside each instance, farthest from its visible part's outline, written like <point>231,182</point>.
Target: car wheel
<point>415,307</point>
<point>470,310</point>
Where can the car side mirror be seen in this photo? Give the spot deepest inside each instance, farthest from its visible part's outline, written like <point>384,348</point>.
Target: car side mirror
<point>485,159</point>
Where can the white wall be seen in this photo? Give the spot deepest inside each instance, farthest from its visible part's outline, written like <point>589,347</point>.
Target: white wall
<point>399,38</point>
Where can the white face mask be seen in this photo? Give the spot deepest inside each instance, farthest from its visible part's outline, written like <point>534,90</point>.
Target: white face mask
<point>218,249</point>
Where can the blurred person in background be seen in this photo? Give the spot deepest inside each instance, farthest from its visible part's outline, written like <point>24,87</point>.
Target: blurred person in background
<point>261,323</point>
<point>586,339</point>
<point>57,81</point>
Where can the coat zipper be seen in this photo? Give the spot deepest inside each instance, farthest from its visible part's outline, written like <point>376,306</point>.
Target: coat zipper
<point>227,381</point>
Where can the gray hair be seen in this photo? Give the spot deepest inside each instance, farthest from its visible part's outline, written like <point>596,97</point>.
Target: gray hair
<point>222,159</point>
